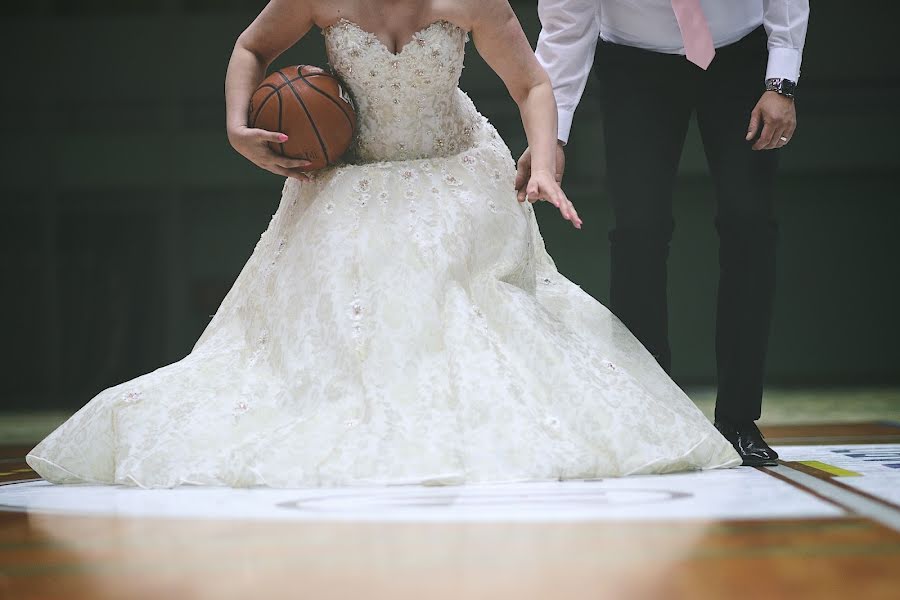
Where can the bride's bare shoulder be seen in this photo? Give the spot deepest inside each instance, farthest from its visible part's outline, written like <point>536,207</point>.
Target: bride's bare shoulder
<point>470,13</point>
<point>329,12</point>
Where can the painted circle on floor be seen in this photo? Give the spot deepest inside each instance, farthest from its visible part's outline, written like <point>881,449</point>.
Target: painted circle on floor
<point>572,500</point>
<point>448,499</point>
<point>705,495</point>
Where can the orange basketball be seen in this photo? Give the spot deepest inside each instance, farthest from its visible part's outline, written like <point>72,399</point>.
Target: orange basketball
<point>311,107</point>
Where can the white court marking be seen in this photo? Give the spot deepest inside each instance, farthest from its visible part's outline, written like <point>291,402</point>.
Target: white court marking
<point>741,493</point>
<point>877,464</point>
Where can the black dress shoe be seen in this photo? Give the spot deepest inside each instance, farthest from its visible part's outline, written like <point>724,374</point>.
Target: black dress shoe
<point>749,443</point>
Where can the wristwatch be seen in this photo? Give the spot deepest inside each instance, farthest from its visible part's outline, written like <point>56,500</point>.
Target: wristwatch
<point>785,87</point>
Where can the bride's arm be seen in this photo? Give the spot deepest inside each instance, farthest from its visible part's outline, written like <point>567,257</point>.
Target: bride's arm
<point>277,28</point>
<point>499,38</point>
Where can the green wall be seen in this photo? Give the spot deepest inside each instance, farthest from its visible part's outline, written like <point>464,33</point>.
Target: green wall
<point>125,216</point>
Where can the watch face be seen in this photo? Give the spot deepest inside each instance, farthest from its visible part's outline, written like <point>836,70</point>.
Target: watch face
<point>786,87</point>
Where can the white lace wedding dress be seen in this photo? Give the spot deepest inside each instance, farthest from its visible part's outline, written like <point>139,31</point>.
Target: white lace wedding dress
<point>398,322</point>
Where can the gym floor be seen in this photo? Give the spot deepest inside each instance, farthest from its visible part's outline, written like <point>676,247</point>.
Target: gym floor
<point>824,523</point>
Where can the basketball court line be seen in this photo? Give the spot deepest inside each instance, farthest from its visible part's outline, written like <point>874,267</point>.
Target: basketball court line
<point>811,482</point>
<point>588,539</point>
<point>875,468</point>
<point>817,466</point>
<point>731,494</point>
<point>854,502</point>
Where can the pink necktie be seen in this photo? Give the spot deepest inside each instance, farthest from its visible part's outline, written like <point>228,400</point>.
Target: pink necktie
<point>698,43</point>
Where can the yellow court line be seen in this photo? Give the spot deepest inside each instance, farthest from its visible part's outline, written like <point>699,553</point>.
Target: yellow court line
<point>830,469</point>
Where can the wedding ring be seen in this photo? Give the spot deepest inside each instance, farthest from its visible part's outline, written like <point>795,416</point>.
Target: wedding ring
<point>783,139</point>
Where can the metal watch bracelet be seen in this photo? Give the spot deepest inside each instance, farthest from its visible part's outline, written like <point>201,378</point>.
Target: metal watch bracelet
<point>785,87</point>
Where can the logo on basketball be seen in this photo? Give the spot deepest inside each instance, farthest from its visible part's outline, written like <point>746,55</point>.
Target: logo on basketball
<point>344,95</point>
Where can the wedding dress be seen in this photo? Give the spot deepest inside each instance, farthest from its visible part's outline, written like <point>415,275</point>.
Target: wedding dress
<point>398,322</point>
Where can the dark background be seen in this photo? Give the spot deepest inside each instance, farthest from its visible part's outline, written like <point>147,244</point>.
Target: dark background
<point>125,216</point>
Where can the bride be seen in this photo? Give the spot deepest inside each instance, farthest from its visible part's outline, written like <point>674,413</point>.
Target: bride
<point>400,320</point>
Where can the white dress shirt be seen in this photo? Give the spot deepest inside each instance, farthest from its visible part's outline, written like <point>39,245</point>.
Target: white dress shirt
<point>571,28</point>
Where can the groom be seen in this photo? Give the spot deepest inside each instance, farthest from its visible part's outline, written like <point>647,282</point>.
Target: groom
<point>735,64</point>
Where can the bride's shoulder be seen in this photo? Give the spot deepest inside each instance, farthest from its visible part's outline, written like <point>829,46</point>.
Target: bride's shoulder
<point>328,12</point>
<point>469,13</point>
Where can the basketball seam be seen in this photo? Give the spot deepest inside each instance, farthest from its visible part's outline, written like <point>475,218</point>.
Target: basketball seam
<point>308,116</point>
<point>255,115</point>
<point>275,89</point>
<point>336,103</point>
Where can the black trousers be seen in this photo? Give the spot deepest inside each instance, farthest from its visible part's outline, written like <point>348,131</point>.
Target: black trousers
<point>647,99</point>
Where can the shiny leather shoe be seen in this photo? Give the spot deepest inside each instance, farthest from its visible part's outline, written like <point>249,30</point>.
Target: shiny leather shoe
<point>749,443</point>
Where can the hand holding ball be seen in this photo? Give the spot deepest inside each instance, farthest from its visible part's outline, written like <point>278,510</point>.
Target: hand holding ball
<point>312,108</point>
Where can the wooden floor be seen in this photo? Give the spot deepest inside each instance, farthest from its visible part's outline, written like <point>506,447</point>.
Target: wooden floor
<point>45,555</point>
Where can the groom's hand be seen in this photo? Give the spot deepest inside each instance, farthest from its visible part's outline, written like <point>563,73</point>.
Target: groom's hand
<point>523,174</point>
<point>778,117</point>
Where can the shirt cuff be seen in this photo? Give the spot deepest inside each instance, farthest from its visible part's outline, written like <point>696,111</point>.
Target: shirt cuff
<point>784,63</point>
<point>564,126</point>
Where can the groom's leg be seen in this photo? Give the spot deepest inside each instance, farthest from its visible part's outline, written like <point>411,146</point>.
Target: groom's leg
<point>745,221</point>
<point>646,106</point>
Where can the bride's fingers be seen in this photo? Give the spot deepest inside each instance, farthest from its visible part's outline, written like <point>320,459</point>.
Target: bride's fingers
<point>547,196</point>
<point>273,168</point>
<point>557,199</point>
<point>312,70</point>
<point>292,163</point>
<point>275,137</point>
<point>576,220</point>
<point>300,173</point>
<point>285,162</point>
<point>567,209</point>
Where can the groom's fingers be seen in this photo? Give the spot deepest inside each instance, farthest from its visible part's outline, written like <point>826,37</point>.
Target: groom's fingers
<point>766,137</point>
<point>777,133</point>
<point>523,174</point>
<point>523,193</point>
<point>531,192</point>
<point>754,124</point>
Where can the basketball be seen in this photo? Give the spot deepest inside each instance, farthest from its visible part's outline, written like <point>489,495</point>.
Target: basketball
<point>311,107</point>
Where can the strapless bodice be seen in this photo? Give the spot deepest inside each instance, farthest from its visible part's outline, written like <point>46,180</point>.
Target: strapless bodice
<point>408,104</point>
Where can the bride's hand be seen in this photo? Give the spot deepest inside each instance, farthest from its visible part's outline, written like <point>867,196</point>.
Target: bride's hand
<point>543,186</point>
<point>253,144</point>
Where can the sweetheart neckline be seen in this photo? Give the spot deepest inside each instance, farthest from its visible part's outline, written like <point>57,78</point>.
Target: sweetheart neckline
<point>416,34</point>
